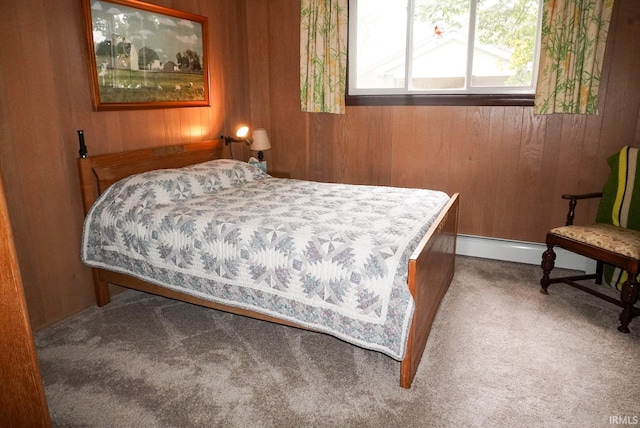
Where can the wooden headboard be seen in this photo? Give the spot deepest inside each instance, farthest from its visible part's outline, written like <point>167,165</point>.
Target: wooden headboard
<point>100,171</point>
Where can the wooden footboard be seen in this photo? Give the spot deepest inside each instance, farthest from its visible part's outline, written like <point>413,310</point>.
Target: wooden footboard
<point>430,267</point>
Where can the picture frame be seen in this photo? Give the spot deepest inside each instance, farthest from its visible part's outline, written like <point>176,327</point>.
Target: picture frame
<point>144,56</point>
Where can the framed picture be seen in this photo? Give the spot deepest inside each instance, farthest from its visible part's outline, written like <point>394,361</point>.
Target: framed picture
<point>145,56</point>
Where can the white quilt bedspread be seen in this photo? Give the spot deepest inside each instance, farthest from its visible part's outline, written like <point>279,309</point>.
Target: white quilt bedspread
<point>331,257</point>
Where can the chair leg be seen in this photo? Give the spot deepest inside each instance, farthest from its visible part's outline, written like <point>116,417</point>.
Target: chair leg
<point>628,297</point>
<point>548,263</point>
<point>599,272</point>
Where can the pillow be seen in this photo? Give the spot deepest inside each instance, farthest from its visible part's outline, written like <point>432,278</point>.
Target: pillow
<point>620,203</point>
<point>169,185</point>
<point>222,173</point>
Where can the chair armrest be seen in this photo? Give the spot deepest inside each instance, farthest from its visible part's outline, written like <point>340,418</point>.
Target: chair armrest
<point>583,196</point>
<point>573,201</point>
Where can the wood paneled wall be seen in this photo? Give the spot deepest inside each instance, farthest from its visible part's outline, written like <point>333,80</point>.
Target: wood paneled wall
<point>46,98</point>
<point>509,165</point>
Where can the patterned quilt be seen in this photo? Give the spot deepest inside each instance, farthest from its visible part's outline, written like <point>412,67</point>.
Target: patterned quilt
<point>331,257</point>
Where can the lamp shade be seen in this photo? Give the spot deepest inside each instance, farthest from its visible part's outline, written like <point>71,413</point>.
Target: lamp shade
<point>260,140</point>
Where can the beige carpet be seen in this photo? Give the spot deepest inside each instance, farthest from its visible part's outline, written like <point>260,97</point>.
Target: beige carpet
<point>500,355</point>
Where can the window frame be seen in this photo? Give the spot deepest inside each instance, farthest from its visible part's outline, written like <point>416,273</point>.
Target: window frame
<point>444,99</point>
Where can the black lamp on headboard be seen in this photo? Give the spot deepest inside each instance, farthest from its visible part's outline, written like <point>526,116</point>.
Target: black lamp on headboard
<point>258,142</point>
<point>242,136</point>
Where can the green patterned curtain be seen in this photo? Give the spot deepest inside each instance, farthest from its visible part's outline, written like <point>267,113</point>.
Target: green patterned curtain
<point>323,55</point>
<point>574,35</point>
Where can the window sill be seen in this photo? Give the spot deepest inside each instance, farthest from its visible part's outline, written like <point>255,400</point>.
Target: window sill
<point>441,100</point>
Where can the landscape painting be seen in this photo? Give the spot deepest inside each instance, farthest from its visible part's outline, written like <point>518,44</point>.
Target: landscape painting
<point>146,56</point>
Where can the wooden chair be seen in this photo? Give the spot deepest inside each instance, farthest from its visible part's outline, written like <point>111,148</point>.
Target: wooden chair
<point>613,241</point>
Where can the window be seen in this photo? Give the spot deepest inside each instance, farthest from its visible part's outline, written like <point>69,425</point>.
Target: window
<point>476,49</point>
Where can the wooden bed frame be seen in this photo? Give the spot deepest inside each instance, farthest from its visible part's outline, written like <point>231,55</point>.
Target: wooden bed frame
<point>431,266</point>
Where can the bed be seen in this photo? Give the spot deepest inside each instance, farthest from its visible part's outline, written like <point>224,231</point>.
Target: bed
<point>260,249</point>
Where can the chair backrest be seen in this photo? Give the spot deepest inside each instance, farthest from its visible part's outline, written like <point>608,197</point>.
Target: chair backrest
<point>620,203</point>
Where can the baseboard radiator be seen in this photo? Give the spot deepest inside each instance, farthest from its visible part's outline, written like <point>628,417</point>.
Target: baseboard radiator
<point>520,252</point>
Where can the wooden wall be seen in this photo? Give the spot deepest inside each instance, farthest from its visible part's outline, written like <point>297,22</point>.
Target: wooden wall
<point>46,98</point>
<point>509,165</point>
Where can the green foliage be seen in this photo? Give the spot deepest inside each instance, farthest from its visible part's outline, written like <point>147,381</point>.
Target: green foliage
<point>511,24</point>
<point>104,48</point>
<point>146,56</point>
<point>507,24</point>
<point>189,61</point>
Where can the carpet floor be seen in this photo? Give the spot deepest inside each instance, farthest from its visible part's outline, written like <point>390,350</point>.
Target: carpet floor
<point>500,354</point>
